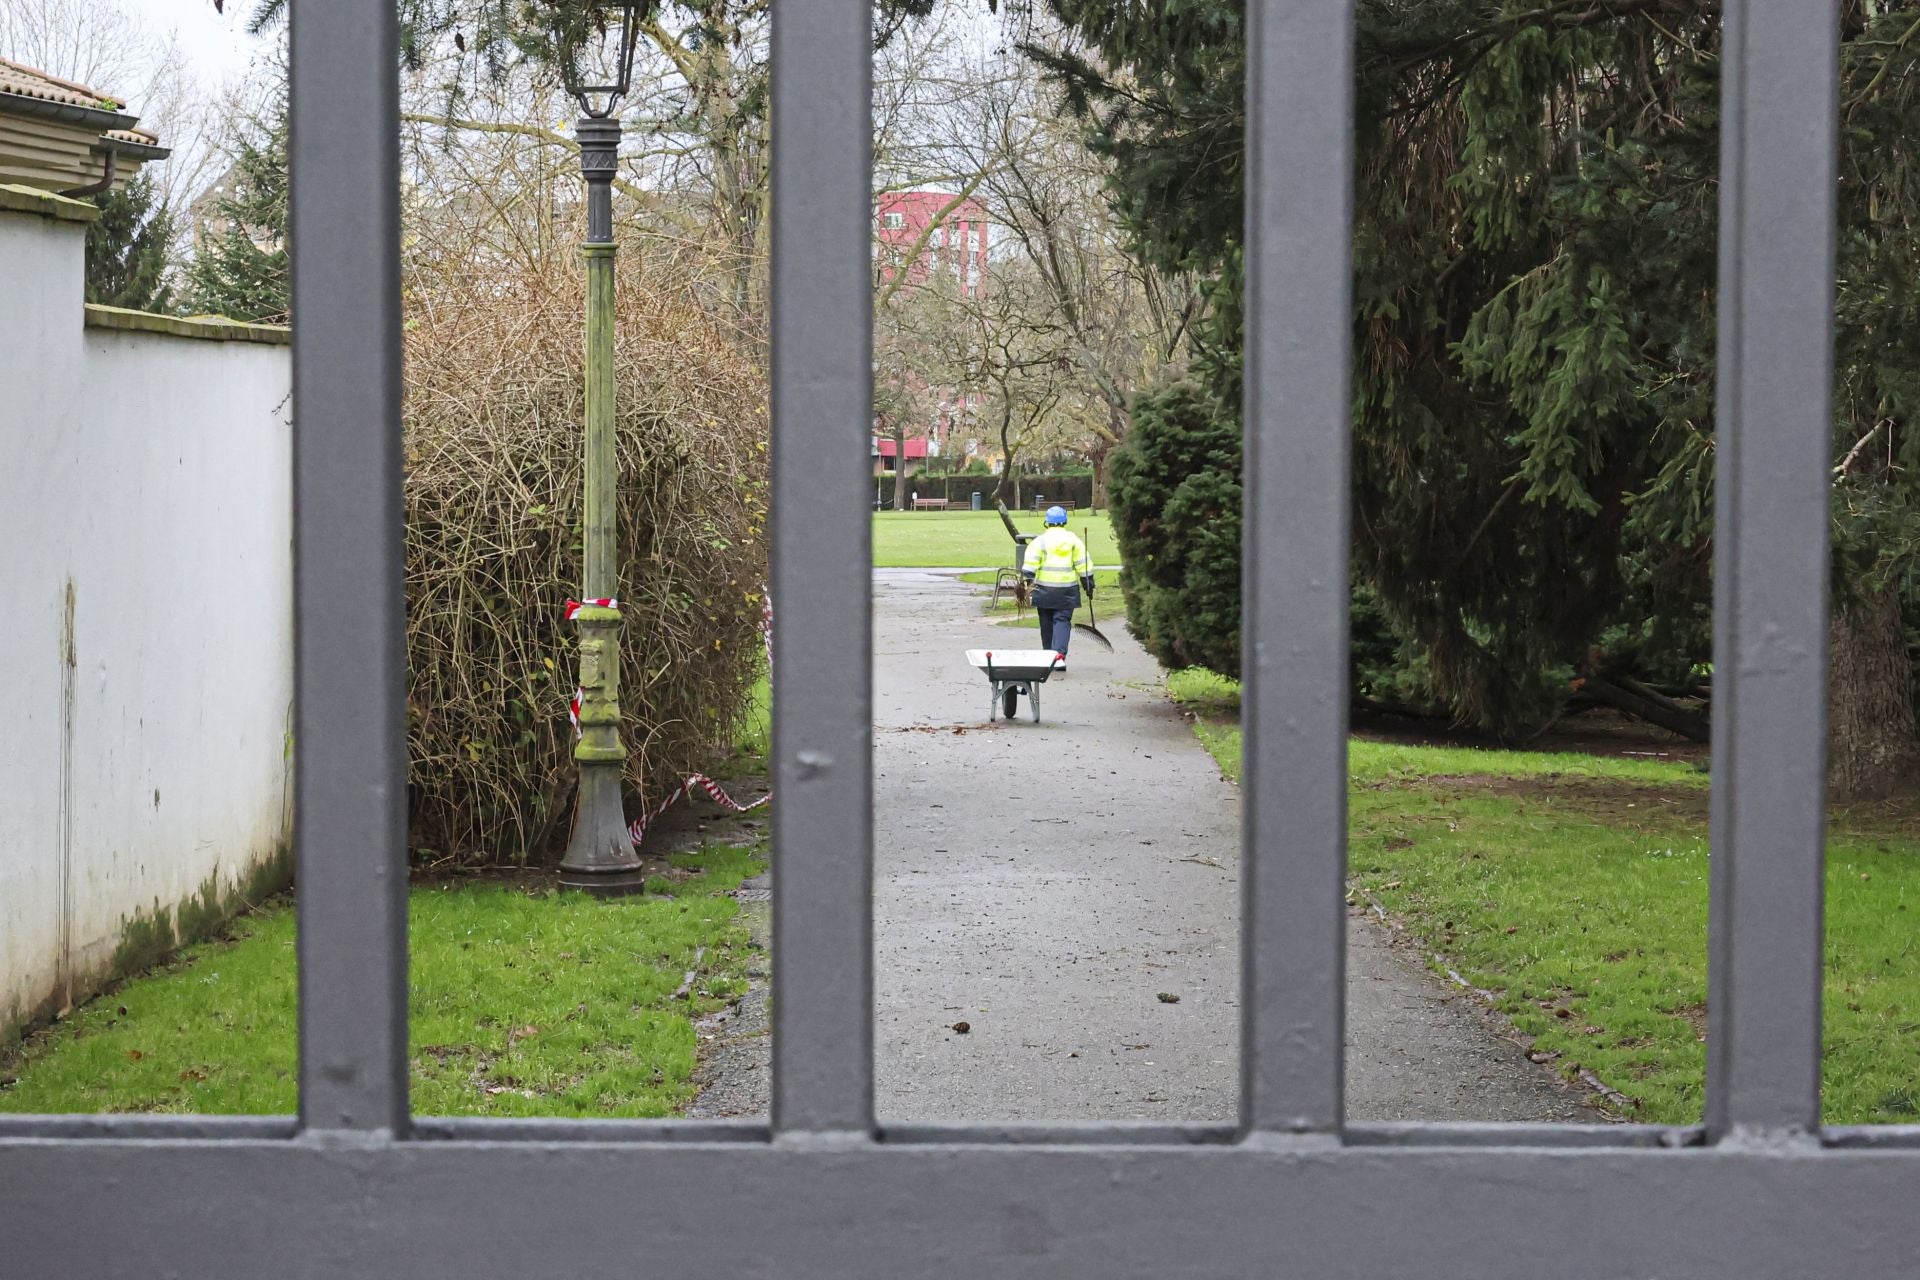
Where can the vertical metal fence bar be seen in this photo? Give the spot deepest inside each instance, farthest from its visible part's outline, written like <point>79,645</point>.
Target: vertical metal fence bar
<point>822,575</point>
<point>349,725</point>
<point>1777,168</point>
<point>1294,638</point>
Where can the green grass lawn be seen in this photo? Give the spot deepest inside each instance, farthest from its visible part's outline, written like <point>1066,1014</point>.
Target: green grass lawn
<point>972,539</point>
<point>524,1002</point>
<point>1574,889</point>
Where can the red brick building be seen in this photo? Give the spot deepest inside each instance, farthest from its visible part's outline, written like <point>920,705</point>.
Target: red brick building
<point>957,246</point>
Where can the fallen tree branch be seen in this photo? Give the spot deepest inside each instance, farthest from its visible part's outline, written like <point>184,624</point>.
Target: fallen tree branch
<point>1608,1092</point>
<point>686,983</point>
<point>1846,463</point>
<point>1624,693</point>
<point>1373,706</point>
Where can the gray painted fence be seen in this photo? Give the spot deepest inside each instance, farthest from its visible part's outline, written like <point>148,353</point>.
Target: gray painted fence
<point>356,1187</point>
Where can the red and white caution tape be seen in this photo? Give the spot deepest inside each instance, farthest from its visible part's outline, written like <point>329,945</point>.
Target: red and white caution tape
<point>702,782</point>
<point>574,606</point>
<point>697,781</point>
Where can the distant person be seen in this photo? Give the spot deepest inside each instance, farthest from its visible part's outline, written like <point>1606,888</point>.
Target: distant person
<point>1057,567</point>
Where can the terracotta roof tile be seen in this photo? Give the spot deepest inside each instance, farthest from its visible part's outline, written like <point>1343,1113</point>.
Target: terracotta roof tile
<point>30,82</point>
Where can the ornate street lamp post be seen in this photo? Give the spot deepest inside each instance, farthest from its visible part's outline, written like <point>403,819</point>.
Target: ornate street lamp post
<point>596,55</point>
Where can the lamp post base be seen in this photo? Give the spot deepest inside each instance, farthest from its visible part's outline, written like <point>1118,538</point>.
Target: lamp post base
<point>600,856</point>
<point>620,885</point>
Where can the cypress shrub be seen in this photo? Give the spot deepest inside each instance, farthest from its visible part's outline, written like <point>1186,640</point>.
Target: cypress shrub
<point>1174,494</point>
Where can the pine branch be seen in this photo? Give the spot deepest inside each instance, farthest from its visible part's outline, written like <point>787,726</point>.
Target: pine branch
<point>1886,65</point>
<point>1562,15</point>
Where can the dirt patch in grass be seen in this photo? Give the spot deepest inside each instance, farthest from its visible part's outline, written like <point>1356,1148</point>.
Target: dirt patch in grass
<point>1696,1017</point>
<point>1596,733</point>
<point>1895,819</point>
<point>1612,799</point>
<point>1636,804</point>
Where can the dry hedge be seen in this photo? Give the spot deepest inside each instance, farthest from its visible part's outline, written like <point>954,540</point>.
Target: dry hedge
<point>493,468</point>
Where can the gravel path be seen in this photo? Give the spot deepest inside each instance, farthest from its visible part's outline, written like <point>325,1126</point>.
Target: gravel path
<point>1050,885</point>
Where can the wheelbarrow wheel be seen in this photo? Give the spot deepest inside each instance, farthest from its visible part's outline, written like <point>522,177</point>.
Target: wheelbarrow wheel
<point>1010,702</point>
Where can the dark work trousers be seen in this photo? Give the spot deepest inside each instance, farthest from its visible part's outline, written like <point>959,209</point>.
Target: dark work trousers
<point>1055,605</point>
<point>1056,627</point>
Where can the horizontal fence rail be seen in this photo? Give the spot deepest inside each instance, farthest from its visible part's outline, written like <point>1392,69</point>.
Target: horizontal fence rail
<point>355,1187</point>
<point>1038,1212</point>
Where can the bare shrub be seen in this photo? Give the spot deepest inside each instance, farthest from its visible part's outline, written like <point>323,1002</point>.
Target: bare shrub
<point>494,407</point>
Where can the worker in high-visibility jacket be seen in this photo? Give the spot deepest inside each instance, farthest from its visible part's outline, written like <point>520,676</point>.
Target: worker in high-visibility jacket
<point>1057,568</point>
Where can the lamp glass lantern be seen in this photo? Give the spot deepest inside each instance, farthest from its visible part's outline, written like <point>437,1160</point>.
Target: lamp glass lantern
<point>596,44</point>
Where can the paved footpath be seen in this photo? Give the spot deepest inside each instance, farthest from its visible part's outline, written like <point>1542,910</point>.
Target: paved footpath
<point>1045,884</point>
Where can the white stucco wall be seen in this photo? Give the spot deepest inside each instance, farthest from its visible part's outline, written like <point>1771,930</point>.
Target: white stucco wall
<point>148,474</point>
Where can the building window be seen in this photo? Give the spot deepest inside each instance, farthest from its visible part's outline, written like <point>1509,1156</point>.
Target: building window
<point>893,221</point>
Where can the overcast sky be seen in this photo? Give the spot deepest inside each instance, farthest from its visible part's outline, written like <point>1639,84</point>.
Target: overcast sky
<point>218,43</point>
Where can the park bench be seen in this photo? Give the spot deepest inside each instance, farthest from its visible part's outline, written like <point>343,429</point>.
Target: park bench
<point>929,504</point>
<point>1041,504</point>
<point>1009,577</point>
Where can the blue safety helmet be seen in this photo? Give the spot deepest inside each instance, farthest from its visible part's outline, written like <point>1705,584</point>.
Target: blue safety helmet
<point>1056,515</point>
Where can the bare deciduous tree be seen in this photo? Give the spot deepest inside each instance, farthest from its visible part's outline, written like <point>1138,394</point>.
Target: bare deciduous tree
<point>981,123</point>
<point>109,47</point>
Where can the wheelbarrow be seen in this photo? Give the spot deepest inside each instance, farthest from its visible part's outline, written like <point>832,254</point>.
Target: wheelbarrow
<point>1011,673</point>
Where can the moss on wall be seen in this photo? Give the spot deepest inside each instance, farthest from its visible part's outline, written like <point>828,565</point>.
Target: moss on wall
<point>148,937</point>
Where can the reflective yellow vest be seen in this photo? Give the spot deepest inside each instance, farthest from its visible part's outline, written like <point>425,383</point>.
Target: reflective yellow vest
<point>1057,559</point>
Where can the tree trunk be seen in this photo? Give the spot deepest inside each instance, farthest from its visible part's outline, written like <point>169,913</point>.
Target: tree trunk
<point>1103,451</point>
<point>1873,743</point>
<point>1009,488</point>
<point>900,465</point>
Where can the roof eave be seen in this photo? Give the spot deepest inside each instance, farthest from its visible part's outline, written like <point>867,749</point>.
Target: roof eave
<point>128,149</point>
<point>21,104</point>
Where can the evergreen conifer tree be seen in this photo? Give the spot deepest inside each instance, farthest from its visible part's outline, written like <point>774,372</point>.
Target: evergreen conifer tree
<point>240,267</point>
<point>1534,331</point>
<point>129,249</point>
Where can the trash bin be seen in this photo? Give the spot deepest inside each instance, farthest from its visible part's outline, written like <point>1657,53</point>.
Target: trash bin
<point>977,500</point>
